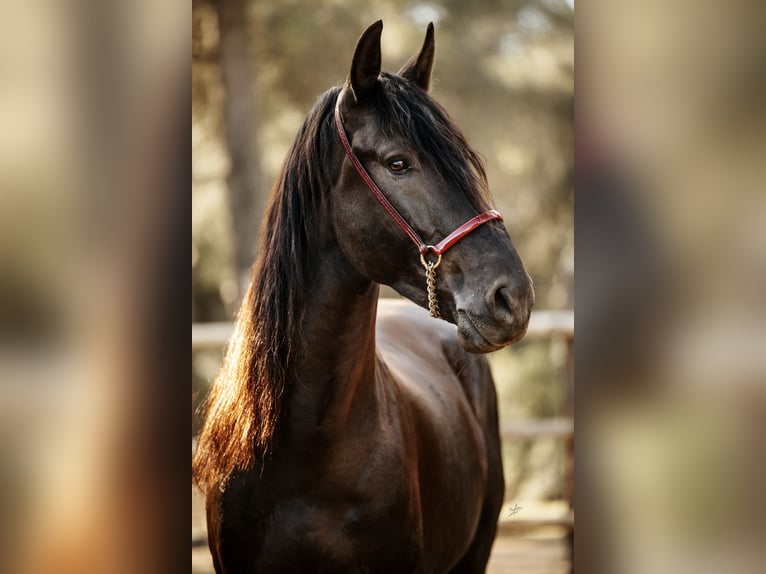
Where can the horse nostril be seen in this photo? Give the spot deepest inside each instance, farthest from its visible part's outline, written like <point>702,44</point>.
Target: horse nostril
<point>503,304</point>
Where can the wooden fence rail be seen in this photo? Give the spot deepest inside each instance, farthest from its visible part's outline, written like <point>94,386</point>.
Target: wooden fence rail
<point>542,325</point>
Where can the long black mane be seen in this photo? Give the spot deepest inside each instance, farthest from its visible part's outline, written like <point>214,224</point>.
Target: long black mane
<point>244,404</point>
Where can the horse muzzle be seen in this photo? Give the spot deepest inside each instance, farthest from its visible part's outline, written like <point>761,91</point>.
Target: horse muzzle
<point>498,319</point>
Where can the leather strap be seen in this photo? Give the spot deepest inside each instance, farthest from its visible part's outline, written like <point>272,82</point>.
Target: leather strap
<point>464,230</point>
<point>423,248</point>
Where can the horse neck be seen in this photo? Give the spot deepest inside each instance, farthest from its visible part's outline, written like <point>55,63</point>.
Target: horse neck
<point>335,366</point>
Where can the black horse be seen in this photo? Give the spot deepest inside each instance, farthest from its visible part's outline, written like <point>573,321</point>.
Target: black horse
<point>343,437</point>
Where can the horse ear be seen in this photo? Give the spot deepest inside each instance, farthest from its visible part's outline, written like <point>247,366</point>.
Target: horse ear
<point>365,66</point>
<point>418,68</point>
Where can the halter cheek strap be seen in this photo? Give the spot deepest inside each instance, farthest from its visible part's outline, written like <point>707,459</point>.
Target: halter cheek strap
<point>423,248</point>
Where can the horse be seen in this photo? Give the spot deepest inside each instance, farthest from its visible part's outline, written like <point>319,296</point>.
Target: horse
<point>343,433</point>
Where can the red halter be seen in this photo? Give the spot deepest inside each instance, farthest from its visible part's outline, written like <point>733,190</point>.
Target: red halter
<point>423,248</point>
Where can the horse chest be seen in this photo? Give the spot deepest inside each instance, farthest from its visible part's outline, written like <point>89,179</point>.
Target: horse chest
<point>306,535</point>
<point>329,518</point>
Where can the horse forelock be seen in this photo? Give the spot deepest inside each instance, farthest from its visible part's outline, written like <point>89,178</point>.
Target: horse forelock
<point>405,110</point>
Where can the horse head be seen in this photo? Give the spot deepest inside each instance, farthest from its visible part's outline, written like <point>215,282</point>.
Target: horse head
<point>431,179</point>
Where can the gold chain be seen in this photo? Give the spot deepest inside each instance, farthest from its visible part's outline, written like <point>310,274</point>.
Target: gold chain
<point>433,303</point>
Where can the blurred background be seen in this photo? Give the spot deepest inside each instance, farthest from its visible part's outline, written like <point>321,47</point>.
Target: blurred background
<point>505,73</point>
<point>94,207</point>
<point>671,291</point>
<point>671,257</point>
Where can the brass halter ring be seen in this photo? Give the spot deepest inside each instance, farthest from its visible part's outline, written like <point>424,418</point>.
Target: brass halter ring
<point>433,303</point>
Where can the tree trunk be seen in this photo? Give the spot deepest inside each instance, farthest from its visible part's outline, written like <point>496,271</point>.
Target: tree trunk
<point>245,179</point>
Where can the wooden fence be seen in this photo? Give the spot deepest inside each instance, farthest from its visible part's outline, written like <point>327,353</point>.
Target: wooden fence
<point>542,325</point>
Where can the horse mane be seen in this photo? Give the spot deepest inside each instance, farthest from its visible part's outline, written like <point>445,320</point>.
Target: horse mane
<point>244,404</point>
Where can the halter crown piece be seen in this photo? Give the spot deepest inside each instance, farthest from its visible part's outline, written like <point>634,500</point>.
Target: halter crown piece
<point>423,248</point>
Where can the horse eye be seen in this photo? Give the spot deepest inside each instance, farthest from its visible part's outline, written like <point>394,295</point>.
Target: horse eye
<point>398,166</point>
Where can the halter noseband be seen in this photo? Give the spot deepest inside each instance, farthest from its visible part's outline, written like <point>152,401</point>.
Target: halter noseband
<point>423,248</point>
